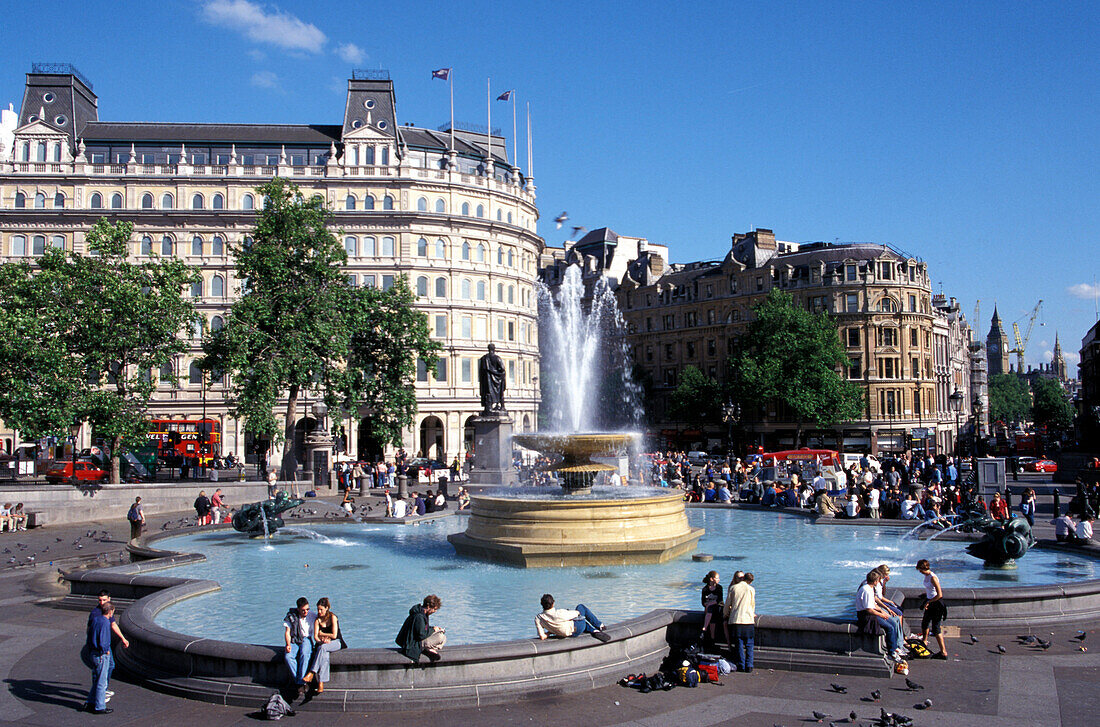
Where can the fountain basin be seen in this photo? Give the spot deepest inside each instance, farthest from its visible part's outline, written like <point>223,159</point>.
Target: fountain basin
<point>536,529</point>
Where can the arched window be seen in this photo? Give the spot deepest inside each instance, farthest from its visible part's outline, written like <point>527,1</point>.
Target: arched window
<point>422,247</point>
<point>38,245</point>
<point>888,305</point>
<point>349,202</point>
<point>387,202</point>
<point>440,287</point>
<point>387,247</point>
<point>57,152</point>
<point>20,200</point>
<point>59,201</point>
<point>368,156</point>
<point>465,250</point>
<point>217,246</point>
<point>116,201</point>
<point>196,288</point>
<point>167,375</point>
<point>146,245</point>
<point>422,204</point>
<point>440,206</point>
<point>217,286</point>
<point>196,245</point>
<point>39,201</point>
<point>351,246</point>
<point>166,202</point>
<point>466,209</point>
<point>509,218</point>
<point>368,202</point>
<point>147,201</point>
<point>196,202</point>
<point>194,374</point>
<point>41,151</point>
<point>27,151</point>
<point>481,290</point>
<point>480,256</point>
<point>217,323</point>
<point>500,256</point>
<point>96,202</point>
<point>18,246</point>
<point>219,201</point>
<point>166,245</point>
<point>422,286</point>
<point>511,259</point>
<point>500,215</point>
<point>248,202</point>
<point>480,210</point>
<point>511,294</point>
<point>440,249</point>
<point>465,288</point>
<point>368,246</point>
<point>58,241</point>
<point>500,292</point>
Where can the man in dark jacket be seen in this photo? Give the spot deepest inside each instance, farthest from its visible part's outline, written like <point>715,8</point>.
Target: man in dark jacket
<point>202,507</point>
<point>417,636</point>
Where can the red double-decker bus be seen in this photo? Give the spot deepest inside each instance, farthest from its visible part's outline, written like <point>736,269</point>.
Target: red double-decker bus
<point>186,441</point>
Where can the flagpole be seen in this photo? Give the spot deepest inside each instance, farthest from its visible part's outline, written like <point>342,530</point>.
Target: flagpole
<point>489,130</point>
<point>530,157</point>
<point>515,141</point>
<point>451,81</point>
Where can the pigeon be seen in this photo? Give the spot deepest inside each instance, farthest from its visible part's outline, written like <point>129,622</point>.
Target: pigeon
<point>926,704</point>
<point>578,231</point>
<point>852,717</point>
<point>819,716</point>
<point>913,686</point>
<point>1001,649</point>
<point>1044,645</point>
<point>57,539</point>
<point>79,546</point>
<point>11,560</point>
<point>839,688</point>
<point>89,534</point>
<point>7,551</point>
<point>561,219</point>
<point>1081,636</point>
<point>973,639</point>
<point>1029,639</point>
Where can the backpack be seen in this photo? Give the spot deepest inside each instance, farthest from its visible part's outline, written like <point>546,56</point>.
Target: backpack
<point>688,676</point>
<point>917,650</point>
<point>132,514</point>
<point>277,708</point>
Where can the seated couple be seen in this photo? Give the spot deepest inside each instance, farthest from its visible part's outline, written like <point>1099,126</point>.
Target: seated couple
<point>310,639</point>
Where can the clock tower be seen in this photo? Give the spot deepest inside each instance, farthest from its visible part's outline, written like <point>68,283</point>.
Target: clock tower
<point>996,346</point>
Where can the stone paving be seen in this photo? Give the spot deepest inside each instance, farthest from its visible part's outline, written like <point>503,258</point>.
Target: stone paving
<point>46,682</point>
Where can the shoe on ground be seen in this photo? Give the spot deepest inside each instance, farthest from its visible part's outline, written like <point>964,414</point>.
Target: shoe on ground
<point>601,636</point>
<point>105,710</point>
<point>940,656</point>
<point>109,693</point>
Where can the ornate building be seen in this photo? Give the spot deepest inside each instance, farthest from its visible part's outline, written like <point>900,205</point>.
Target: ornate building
<point>447,210</point>
<point>996,346</point>
<point>902,349</point>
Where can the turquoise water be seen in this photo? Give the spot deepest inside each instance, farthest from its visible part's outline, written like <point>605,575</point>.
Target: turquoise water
<point>374,573</point>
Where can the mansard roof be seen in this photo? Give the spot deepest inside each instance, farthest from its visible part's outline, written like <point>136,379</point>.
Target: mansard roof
<point>146,132</point>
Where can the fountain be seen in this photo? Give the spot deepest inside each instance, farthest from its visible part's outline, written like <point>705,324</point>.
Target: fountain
<point>261,519</point>
<point>577,524</point>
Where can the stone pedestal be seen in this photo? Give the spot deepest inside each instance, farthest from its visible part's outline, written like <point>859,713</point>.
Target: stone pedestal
<point>492,464</point>
<point>318,462</point>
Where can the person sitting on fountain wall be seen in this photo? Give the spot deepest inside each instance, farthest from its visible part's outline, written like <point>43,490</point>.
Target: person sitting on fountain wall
<point>419,506</point>
<point>869,612</point>
<point>852,506</point>
<point>722,494</point>
<point>298,633</point>
<point>440,501</point>
<point>998,508</point>
<point>886,603</point>
<point>1064,527</point>
<point>463,499</point>
<point>327,636</point>
<point>417,636</point>
<point>399,508</point>
<point>1082,534</point>
<point>911,508</point>
<point>708,493</point>
<point>429,502</point>
<point>712,604</point>
<point>824,505</point>
<point>566,622</point>
<point>935,612</point>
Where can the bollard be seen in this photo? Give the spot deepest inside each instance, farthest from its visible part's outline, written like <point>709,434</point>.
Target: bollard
<point>402,486</point>
<point>1057,502</point>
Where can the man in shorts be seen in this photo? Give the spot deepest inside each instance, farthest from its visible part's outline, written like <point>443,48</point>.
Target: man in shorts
<point>934,610</point>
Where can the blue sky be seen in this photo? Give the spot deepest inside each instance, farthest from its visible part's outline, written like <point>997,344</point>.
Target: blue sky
<point>963,133</point>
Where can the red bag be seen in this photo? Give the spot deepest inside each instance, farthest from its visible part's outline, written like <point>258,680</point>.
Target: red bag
<point>711,670</point>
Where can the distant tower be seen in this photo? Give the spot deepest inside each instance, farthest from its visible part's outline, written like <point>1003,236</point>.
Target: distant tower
<point>1058,366</point>
<point>996,346</point>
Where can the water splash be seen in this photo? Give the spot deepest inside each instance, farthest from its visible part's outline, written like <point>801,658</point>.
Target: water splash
<point>320,538</point>
<point>588,383</point>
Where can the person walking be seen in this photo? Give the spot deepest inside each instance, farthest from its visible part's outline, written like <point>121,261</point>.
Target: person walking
<point>740,610</point>
<point>101,626</point>
<point>136,516</point>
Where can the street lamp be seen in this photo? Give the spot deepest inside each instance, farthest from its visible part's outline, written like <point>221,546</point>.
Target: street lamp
<point>74,429</point>
<point>956,400</point>
<point>731,414</point>
<point>976,410</point>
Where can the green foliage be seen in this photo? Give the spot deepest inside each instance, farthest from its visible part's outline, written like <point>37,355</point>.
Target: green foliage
<point>698,399</point>
<point>1009,399</point>
<point>790,355</point>
<point>91,328</point>
<point>299,323</point>
<point>1051,407</point>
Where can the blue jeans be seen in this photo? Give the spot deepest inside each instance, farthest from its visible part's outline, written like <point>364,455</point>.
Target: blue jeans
<point>744,634</point>
<point>297,660</point>
<point>103,665</point>
<point>892,629</point>
<point>587,621</point>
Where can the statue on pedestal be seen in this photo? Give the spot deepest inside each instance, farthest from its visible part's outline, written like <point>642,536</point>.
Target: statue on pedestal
<point>490,376</point>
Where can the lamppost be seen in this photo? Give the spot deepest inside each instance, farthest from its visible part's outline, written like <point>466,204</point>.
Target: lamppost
<point>976,410</point>
<point>74,429</point>
<point>731,414</point>
<point>956,399</point>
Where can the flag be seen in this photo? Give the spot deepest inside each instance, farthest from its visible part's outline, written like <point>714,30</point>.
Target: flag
<point>504,96</point>
<point>442,74</point>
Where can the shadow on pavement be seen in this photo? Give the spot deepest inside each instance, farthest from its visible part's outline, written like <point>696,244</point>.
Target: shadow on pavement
<point>62,694</point>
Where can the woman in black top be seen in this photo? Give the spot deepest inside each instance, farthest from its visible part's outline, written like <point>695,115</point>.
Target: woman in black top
<point>326,634</point>
<point>712,603</point>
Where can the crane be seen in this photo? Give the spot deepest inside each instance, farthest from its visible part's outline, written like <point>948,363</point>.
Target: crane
<point>1021,343</point>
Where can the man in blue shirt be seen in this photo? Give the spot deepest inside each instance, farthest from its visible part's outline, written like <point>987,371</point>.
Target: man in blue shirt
<point>101,625</point>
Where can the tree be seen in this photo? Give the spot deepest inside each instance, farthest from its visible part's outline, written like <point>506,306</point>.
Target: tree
<point>791,355</point>
<point>1051,407</point>
<point>102,325</point>
<point>1009,399</point>
<point>299,323</point>
<point>698,398</point>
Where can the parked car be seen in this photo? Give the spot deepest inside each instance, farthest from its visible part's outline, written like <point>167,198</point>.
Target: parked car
<point>427,467</point>
<point>86,471</point>
<point>1025,461</point>
<point>852,458</point>
<point>1042,465</point>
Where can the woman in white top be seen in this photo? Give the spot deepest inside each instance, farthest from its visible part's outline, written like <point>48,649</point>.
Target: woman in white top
<point>934,610</point>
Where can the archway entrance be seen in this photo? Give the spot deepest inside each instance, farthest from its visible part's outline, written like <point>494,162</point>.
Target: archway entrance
<point>431,438</point>
<point>302,429</point>
<point>468,436</point>
<point>368,448</point>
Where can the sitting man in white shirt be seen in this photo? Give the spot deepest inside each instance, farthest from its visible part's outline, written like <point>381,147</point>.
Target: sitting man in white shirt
<point>400,507</point>
<point>1083,531</point>
<point>566,622</point>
